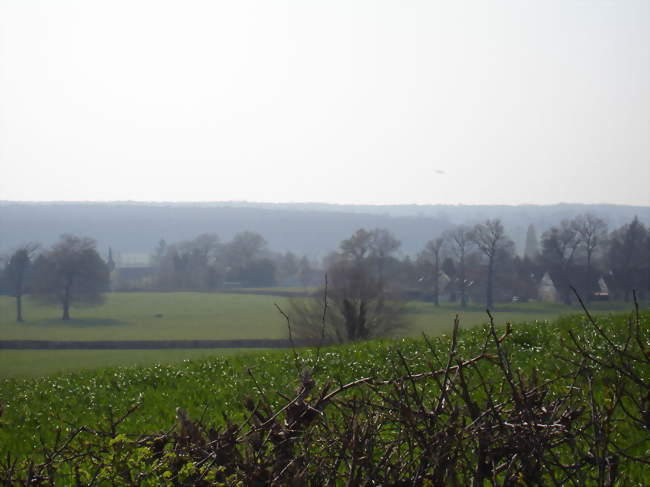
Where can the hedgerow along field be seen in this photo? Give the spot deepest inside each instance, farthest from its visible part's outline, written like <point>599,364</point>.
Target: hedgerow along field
<point>563,403</point>
<point>132,316</point>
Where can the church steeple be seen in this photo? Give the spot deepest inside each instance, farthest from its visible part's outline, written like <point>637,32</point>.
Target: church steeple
<point>532,244</point>
<point>110,263</point>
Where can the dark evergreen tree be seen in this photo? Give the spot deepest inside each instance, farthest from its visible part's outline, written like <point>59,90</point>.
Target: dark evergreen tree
<point>17,273</point>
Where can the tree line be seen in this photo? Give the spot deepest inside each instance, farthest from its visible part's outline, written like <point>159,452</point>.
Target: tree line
<point>480,262</point>
<point>72,272</point>
<point>364,296</point>
<point>366,274</point>
<point>466,263</point>
<point>206,263</point>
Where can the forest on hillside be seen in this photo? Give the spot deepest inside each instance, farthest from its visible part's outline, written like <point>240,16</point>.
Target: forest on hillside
<point>308,229</point>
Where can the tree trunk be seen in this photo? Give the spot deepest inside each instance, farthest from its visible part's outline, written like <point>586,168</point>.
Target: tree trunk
<point>436,290</point>
<point>19,307</point>
<point>66,311</point>
<point>463,283</point>
<point>489,301</point>
<point>66,302</point>
<point>590,287</point>
<point>566,273</point>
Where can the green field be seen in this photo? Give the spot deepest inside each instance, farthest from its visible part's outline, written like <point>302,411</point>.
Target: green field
<point>39,407</point>
<point>35,363</point>
<point>131,316</point>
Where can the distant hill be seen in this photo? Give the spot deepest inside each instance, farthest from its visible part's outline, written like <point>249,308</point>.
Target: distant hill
<point>306,228</point>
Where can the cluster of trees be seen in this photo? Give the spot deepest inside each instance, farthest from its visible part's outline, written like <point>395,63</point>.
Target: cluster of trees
<point>477,263</point>
<point>471,255</point>
<point>480,262</point>
<point>69,273</point>
<point>581,251</point>
<point>367,280</point>
<point>366,277</point>
<point>205,263</point>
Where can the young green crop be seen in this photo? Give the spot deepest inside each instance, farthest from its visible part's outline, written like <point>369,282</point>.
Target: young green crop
<point>35,409</point>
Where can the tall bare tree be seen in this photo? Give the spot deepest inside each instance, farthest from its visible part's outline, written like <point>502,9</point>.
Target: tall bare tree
<point>628,255</point>
<point>559,246</point>
<point>461,243</point>
<point>16,274</point>
<point>382,245</point>
<point>432,256</point>
<point>592,234</point>
<point>490,238</point>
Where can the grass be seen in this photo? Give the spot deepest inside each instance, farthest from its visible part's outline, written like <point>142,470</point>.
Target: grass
<point>131,316</point>
<point>432,320</point>
<point>35,363</point>
<point>210,387</point>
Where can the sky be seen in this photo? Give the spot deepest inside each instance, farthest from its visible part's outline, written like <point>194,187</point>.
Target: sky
<point>354,102</point>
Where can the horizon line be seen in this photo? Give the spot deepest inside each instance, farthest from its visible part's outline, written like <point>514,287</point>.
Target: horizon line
<point>314,203</point>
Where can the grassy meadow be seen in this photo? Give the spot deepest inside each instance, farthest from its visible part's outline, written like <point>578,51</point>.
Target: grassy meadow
<point>131,316</point>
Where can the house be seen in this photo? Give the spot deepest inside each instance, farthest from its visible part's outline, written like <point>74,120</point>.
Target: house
<point>603,291</point>
<point>546,290</point>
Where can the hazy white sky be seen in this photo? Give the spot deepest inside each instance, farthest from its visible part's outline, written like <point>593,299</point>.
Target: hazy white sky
<point>378,102</point>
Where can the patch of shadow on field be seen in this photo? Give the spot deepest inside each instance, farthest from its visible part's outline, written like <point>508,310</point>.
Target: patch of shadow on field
<point>79,323</point>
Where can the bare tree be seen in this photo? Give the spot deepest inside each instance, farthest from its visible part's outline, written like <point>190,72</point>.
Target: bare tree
<point>71,272</point>
<point>244,247</point>
<point>432,256</point>
<point>490,238</point>
<point>629,254</point>
<point>244,256</point>
<point>592,234</point>
<point>16,273</point>
<point>461,243</point>
<point>305,271</point>
<point>199,262</point>
<point>360,302</point>
<point>358,246</point>
<point>559,246</point>
<point>382,245</point>
<point>287,265</point>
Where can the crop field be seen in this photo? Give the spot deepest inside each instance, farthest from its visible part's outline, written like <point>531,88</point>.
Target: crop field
<point>213,389</point>
<point>36,363</point>
<point>187,316</point>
